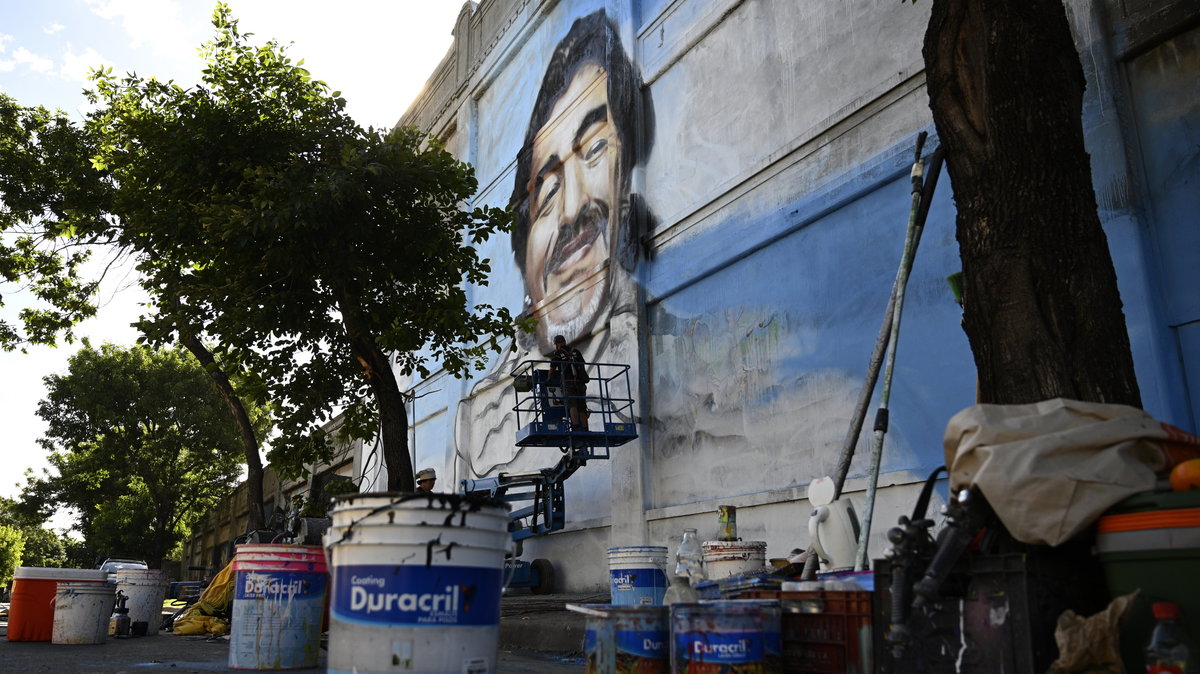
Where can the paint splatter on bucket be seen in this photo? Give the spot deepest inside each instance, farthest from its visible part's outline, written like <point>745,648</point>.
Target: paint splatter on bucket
<point>278,604</point>
<point>627,640</point>
<point>81,613</point>
<point>417,580</point>
<point>146,589</point>
<point>726,637</point>
<point>637,575</point>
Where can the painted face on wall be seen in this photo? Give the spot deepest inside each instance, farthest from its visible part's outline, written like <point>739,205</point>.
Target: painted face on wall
<point>575,205</point>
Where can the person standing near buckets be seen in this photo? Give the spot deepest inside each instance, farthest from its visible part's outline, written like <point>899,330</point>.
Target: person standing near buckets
<point>426,477</point>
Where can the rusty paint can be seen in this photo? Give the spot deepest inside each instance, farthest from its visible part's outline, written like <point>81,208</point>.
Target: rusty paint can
<point>727,523</point>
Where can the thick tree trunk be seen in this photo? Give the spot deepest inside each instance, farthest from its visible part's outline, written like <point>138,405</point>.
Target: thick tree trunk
<point>254,467</point>
<point>393,417</point>
<point>1040,302</point>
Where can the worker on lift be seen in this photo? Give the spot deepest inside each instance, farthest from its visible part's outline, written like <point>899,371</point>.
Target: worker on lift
<point>426,477</point>
<point>569,370</point>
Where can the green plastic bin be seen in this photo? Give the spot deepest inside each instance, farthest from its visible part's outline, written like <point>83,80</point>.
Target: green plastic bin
<point>1151,542</point>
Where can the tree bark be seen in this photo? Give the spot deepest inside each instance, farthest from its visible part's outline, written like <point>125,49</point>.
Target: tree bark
<point>393,416</point>
<point>1041,307</point>
<point>254,467</point>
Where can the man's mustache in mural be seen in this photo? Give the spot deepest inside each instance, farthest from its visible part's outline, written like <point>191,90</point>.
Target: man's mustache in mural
<point>575,237</point>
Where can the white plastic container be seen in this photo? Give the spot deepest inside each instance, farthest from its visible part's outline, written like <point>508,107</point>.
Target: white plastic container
<point>81,612</point>
<point>723,559</point>
<point>146,589</point>
<point>637,575</point>
<point>417,580</point>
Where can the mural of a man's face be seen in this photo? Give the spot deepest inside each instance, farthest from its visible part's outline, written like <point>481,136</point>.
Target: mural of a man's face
<point>574,207</point>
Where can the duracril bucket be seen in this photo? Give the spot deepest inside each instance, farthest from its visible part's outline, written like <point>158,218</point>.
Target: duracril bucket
<point>31,611</point>
<point>723,559</point>
<point>726,637</point>
<point>637,574</point>
<point>627,639</point>
<point>417,580</point>
<point>278,603</point>
<point>81,612</point>
<point>146,589</point>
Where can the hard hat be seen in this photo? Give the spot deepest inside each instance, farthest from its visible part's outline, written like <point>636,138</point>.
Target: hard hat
<point>426,474</point>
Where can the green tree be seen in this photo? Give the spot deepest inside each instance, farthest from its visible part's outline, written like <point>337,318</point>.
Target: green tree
<point>311,250</point>
<point>12,542</point>
<point>1040,301</point>
<point>39,150</point>
<point>43,547</point>
<point>140,445</point>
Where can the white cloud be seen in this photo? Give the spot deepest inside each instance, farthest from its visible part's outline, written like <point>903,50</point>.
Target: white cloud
<point>4,40</point>
<point>53,28</point>
<point>76,67</point>
<point>38,64</point>
<point>157,23</point>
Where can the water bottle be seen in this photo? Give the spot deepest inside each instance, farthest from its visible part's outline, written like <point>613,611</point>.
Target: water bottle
<point>689,559</point>
<point>1170,650</point>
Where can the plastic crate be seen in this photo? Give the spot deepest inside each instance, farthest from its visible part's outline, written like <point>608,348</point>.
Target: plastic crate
<point>826,632</point>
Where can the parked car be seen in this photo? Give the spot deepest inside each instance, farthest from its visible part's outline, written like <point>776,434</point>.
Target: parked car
<point>113,564</point>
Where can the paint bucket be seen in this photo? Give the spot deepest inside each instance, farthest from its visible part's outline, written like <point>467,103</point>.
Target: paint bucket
<point>722,637</point>
<point>637,574</point>
<point>31,611</point>
<point>723,559</point>
<point>417,580</point>
<point>81,612</point>
<point>627,639</point>
<point>278,604</point>
<point>146,589</point>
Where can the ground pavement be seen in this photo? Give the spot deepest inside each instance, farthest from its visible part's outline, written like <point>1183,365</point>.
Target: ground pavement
<point>537,636</point>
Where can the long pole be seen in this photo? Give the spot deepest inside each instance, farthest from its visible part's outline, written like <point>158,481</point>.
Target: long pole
<point>916,224</point>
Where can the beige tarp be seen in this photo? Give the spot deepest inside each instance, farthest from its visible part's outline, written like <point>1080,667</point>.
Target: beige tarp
<point>1051,468</point>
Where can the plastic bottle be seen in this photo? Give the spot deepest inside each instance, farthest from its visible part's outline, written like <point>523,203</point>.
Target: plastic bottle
<point>1170,650</point>
<point>689,558</point>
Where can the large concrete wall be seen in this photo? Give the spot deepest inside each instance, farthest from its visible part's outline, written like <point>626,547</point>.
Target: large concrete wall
<point>747,246</point>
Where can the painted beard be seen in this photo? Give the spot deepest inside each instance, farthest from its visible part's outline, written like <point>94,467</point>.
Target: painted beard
<point>574,317</point>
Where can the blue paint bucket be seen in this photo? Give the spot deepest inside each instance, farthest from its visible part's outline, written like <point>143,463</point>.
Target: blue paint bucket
<point>627,639</point>
<point>278,606</point>
<point>723,637</point>
<point>637,575</point>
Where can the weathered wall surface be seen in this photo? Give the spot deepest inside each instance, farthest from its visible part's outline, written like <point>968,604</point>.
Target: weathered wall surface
<point>715,192</point>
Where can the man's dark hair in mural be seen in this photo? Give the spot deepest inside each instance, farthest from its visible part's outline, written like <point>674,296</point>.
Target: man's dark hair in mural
<point>571,192</point>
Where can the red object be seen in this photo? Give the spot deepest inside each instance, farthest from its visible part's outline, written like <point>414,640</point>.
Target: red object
<point>1165,609</point>
<point>31,613</point>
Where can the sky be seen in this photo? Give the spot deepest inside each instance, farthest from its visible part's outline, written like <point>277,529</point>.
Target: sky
<point>378,53</point>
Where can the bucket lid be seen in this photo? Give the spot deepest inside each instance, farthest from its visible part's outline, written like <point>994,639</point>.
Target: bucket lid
<point>47,573</point>
<point>639,549</point>
<point>413,500</point>
<point>86,588</point>
<point>1153,519</point>
<point>727,546</point>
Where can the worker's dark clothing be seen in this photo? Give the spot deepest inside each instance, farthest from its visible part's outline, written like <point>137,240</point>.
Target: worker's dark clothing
<point>569,371</point>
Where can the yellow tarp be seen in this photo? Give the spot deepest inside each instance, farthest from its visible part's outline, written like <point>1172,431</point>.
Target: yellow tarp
<point>202,617</point>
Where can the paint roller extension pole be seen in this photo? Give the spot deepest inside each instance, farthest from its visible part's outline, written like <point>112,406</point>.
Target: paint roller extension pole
<point>873,367</point>
<point>917,213</point>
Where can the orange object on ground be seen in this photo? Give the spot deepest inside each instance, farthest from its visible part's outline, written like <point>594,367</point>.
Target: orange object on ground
<point>1186,476</point>
<point>31,613</point>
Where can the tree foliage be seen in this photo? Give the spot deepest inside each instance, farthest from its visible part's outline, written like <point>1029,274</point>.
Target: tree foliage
<point>12,543</point>
<point>140,445</point>
<point>42,206</point>
<point>310,249</point>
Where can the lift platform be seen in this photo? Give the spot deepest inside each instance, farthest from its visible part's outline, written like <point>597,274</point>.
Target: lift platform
<point>543,420</point>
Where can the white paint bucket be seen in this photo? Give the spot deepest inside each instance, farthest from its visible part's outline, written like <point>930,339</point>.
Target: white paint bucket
<point>723,559</point>
<point>278,604</point>
<point>637,575</point>
<point>81,612</point>
<point>417,580</point>
<point>146,589</point>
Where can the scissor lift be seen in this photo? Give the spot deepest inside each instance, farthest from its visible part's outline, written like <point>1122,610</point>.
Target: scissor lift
<point>543,420</point>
